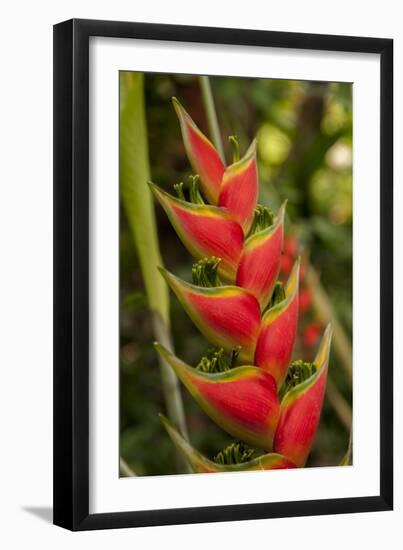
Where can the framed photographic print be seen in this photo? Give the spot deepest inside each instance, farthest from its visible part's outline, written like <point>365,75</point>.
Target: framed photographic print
<point>223,293</point>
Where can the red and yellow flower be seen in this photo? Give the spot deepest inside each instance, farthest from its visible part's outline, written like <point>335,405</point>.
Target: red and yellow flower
<point>259,399</point>
<point>244,402</point>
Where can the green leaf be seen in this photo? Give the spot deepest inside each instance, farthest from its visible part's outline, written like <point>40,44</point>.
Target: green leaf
<point>134,191</point>
<point>138,205</point>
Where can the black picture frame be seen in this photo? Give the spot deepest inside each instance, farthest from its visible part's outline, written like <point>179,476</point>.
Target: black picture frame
<point>71,273</point>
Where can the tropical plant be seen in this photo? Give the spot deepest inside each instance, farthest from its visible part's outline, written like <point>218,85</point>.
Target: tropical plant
<point>247,384</point>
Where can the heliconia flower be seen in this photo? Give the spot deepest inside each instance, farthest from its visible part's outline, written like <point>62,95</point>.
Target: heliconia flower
<point>243,401</point>
<point>278,331</point>
<point>242,242</point>
<point>301,407</point>
<point>260,261</point>
<point>201,464</point>
<point>203,157</point>
<point>205,230</point>
<point>228,316</point>
<point>239,188</point>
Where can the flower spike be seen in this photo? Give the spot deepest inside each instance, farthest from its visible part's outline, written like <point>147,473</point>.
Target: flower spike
<point>201,464</point>
<point>243,400</point>
<point>203,157</point>
<point>260,261</point>
<point>238,305</point>
<point>239,188</point>
<point>204,230</point>
<point>301,407</point>
<point>228,316</point>
<point>278,331</point>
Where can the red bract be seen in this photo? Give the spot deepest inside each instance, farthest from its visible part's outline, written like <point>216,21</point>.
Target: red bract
<point>250,313</point>
<point>205,231</point>
<point>278,332</point>
<point>239,188</point>
<point>203,157</point>
<point>243,400</point>
<point>260,261</point>
<point>228,316</point>
<point>201,464</point>
<point>301,408</point>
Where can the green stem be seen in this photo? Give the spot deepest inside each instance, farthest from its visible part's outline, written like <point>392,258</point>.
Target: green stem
<point>138,206</point>
<point>211,114</point>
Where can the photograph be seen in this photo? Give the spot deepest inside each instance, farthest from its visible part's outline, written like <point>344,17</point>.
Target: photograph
<point>201,258</point>
<point>235,274</point>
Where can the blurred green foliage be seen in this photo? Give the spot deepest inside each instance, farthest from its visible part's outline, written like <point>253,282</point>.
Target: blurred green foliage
<point>304,134</point>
